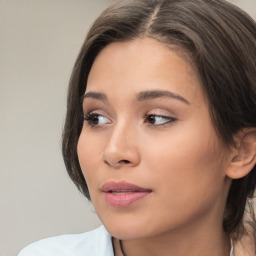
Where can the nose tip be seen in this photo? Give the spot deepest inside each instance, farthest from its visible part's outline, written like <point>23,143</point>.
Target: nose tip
<point>121,151</point>
<point>117,159</point>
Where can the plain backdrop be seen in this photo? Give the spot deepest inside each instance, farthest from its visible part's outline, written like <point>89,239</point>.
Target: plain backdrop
<point>39,42</point>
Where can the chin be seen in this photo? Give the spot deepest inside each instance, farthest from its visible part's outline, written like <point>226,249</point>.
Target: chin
<point>126,232</point>
<point>134,228</point>
<point>126,228</point>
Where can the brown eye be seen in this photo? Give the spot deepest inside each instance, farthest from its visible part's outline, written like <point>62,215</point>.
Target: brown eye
<point>159,120</point>
<point>95,119</point>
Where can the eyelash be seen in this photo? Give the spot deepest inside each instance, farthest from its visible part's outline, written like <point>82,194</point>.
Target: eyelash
<point>93,117</point>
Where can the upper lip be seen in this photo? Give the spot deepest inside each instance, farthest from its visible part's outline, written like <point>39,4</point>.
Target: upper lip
<point>122,186</point>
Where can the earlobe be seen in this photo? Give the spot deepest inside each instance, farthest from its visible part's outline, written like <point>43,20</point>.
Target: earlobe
<point>244,157</point>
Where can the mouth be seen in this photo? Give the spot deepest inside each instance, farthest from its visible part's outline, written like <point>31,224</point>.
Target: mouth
<point>123,194</point>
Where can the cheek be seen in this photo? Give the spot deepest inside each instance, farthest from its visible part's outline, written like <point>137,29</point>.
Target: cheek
<point>89,154</point>
<point>187,177</point>
<point>181,146</point>
<point>186,161</point>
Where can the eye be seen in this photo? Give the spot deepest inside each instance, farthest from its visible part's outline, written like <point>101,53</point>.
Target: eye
<point>159,120</point>
<point>96,120</point>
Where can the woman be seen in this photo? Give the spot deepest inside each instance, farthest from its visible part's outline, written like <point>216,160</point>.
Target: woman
<point>160,130</point>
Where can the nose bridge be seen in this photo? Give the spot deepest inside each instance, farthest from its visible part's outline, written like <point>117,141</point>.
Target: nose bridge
<point>121,146</point>
<point>121,134</point>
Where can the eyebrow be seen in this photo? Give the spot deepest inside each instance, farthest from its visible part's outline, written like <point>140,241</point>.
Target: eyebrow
<point>142,96</point>
<point>95,95</point>
<point>153,94</point>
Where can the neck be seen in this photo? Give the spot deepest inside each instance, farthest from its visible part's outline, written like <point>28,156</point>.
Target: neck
<point>178,244</point>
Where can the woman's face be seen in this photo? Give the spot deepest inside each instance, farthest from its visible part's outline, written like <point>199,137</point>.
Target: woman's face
<point>148,149</point>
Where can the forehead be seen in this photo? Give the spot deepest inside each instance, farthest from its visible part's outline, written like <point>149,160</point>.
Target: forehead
<point>140,65</point>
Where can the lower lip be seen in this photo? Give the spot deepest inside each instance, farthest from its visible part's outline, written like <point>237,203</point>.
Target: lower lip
<point>126,199</point>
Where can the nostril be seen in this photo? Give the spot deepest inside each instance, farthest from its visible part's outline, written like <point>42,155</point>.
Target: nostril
<point>118,163</point>
<point>124,161</point>
<point>106,162</point>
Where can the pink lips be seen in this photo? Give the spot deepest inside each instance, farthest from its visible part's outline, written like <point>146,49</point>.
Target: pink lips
<point>123,194</point>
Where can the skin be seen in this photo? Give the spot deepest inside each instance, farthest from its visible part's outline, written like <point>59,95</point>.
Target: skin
<point>176,154</point>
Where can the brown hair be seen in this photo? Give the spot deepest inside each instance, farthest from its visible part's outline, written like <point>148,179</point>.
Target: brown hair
<point>221,41</point>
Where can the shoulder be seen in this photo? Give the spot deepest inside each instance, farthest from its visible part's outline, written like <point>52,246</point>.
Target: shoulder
<point>93,243</point>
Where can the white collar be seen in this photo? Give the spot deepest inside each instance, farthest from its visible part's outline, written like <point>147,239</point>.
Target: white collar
<point>232,249</point>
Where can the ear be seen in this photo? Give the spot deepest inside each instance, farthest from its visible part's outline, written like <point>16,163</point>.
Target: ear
<point>243,157</point>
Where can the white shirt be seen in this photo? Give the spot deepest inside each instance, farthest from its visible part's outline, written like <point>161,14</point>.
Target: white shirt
<point>94,243</point>
<point>97,242</point>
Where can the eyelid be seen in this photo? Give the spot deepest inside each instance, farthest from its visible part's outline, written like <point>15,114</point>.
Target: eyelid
<point>90,108</point>
<point>91,105</point>
<point>159,111</point>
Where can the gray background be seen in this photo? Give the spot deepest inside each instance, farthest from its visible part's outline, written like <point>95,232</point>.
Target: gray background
<point>39,42</point>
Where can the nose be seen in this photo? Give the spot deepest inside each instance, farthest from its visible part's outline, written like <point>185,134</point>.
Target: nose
<point>121,149</point>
